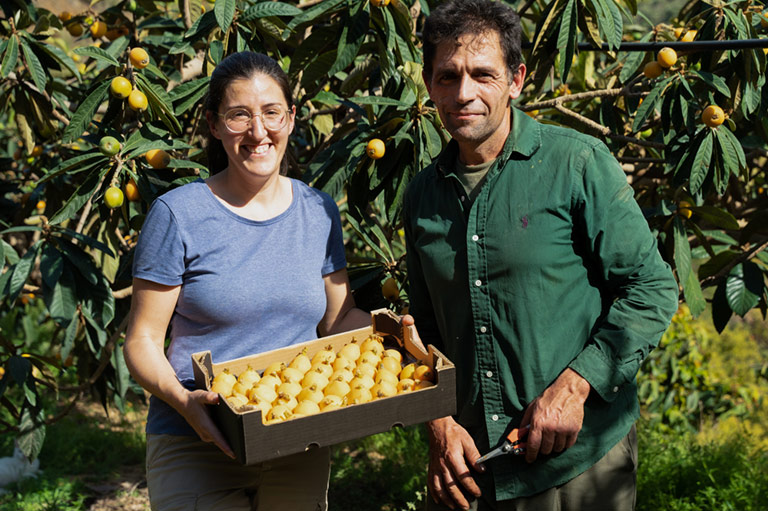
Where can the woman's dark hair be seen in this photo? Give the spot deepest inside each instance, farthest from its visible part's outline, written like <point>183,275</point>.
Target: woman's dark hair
<point>456,18</point>
<point>236,66</point>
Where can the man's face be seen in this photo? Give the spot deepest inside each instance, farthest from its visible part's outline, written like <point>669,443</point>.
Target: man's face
<point>471,88</point>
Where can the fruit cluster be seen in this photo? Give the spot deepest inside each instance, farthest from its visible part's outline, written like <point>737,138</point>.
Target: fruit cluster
<point>358,373</point>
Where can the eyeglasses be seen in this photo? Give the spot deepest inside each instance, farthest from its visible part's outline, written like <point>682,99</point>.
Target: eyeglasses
<point>240,120</point>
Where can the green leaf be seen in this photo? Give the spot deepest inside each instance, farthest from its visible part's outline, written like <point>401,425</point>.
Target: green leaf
<point>353,222</point>
<point>716,216</point>
<point>51,265</point>
<point>22,269</point>
<point>714,81</point>
<point>649,104</point>
<point>75,165</point>
<point>352,37</point>
<point>78,199</point>
<point>687,277</point>
<point>566,39</point>
<point>97,53</point>
<point>87,240</point>
<point>314,12</point>
<point>99,302</point>
<point>701,163</point>
<point>721,311</point>
<point>159,102</point>
<point>9,253</point>
<point>84,113</point>
<point>11,56</point>
<point>34,66</point>
<point>736,148</point>
<point>108,261</point>
<point>378,100</point>
<point>224,10</point>
<point>632,61</point>
<point>192,98</point>
<point>69,335</point>
<point>61,298</point>
<point>60,56</point>
<point>264,9</point>
<point>744,287</point>
<point>31,432</point>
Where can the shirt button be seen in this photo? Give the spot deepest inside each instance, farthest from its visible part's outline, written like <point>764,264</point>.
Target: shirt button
<point>462,198</point>
<point>615,389</point>
<point>494,417</point>
<point>489,374</point>
<point>483,329</point>
<point>478,283</point>
<point>475,237</point>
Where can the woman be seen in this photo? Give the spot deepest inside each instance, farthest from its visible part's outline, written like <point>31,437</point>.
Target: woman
<point>244,262</point>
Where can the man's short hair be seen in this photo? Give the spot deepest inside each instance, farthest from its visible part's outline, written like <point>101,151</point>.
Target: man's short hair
<point>456,18</point>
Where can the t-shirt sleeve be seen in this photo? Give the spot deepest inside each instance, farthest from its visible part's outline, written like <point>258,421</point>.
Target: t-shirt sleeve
<point>334,252</point>
<point>159,253</point>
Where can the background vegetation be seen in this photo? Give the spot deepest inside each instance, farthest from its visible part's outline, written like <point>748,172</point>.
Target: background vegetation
<point>66,254</point>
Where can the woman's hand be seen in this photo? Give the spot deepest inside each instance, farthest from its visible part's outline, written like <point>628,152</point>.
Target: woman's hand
<point>152,306</point>
<point>194,410</point>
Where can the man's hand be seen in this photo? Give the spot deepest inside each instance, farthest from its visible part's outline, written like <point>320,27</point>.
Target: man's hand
<point>452,453</point>
<point>556,416</point>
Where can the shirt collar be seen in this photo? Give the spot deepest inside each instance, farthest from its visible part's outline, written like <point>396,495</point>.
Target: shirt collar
<point>524,139</point>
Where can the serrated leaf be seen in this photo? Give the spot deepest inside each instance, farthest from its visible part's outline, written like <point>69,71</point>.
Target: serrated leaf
<point>22,269</point>
<point>84,113</point>
<point>96,53</point>
<point>735,147</point>
<point>31,432</point>
<point>721,311</point>
<point>187,89</point>
<point>744,287</point>
<point>224,10</point>
<point>566,40</point>
<point>11,56</point>
<point>61,298</point>
<point>78,199</point>
<point>51,265</point>
<point>716,216</point>
<point>714,81</point>
<point>632,62</point>
<point>648,105</point>
<point>264,9</point>
<point>34,66</point>
<point>59,55</point>
<point>352,36</point>
<point>75,165</point>
<point>69,335</point>
<point>701,162</point>
<point>685,274</point>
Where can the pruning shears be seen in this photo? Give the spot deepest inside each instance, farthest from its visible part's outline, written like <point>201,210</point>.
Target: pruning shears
<point>514,443</point>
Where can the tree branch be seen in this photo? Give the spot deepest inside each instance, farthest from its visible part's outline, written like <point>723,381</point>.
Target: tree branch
<point>725,270</point>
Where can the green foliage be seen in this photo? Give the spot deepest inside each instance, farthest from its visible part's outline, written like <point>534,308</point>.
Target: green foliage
<point>690,377</point>
<point>357,74</point>
<point>384,472</point>
<point>677,473</point>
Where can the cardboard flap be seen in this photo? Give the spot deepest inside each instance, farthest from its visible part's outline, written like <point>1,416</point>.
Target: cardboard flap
<point>387,322</point>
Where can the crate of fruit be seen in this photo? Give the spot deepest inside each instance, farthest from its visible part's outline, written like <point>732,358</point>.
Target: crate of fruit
<point>328,390</point>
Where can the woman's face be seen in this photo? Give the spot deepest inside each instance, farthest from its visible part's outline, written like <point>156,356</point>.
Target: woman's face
<point>257,151</point>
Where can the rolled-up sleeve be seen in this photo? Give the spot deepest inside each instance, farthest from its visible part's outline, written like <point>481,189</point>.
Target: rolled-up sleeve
<point>639,284</point>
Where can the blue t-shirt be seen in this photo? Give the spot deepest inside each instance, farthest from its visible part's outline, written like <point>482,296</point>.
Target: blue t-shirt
<point>247,286</point>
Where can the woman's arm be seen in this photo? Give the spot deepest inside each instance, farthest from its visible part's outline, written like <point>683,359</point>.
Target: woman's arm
<point>152,306</point>
<point>340,312</point>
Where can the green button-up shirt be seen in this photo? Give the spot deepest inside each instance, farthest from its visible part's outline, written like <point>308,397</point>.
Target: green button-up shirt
<point>551,266</point>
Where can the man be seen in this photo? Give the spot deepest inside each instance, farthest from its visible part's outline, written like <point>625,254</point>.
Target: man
<point>532,268</point>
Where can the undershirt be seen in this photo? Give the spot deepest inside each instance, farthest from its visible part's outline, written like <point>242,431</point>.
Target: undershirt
<point>472,177</point>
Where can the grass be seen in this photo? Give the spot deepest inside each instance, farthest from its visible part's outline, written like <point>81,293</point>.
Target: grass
<point>78,450</point>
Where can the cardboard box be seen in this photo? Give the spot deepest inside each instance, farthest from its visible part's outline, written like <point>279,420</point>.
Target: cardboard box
<point>254,442</point>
